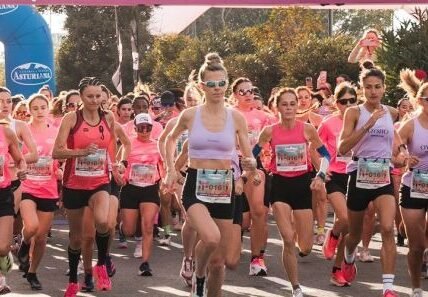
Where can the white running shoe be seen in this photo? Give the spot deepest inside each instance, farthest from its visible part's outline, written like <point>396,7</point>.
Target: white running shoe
<point>365,256</point>
<point>138,252</point>
<point>298,293</point>
<point>258,267</point>
<point>417,293</point>
<point>6,263</point>
<point>186,271</point>
<point>164,240</point>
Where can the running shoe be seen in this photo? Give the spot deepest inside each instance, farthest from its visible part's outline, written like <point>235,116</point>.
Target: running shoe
<point>390,293</point>
<point>298,292</point>
<point>34,282</point>
<point>186,271</point>
<point>330,245</point>
<point>338,280</point>
<point>102,281</point>
<point>88,283</point>
<point>257,267</point>
<point>417,293</point>
<point>424,271</point>
<point>23,254</point>
<point>4,288</point>
<point>199,288</point>
<point>365,256</point>
<point>6,263</point>
<point>349,271</point>
<point>165,240</point>
<point>72,290</point>
<point>111,269</point>
<point>400,240</point>
<point>145,270</point>
<point>123,244</point>
<point>138,252</point>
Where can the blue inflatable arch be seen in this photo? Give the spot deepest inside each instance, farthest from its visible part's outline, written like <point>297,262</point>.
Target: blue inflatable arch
<point>28,47</point>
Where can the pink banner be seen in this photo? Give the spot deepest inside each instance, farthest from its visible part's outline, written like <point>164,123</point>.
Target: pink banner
<point>209,2</point>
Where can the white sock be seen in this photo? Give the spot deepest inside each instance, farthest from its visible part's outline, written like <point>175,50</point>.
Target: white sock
<point>388,281</point>
<point>349,258</point>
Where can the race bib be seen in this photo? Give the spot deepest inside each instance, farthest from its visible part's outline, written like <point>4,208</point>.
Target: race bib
<point>214,186</point>
<point>373,173</point>
<point>291,157</point>
<point>253,136</point>
<point>42,170</point>
<point>2,168</point>
<point>142,175</point>
<point>93,165</point>
<point>419,187</point>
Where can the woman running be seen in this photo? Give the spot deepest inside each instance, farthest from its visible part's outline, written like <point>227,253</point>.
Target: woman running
<point>291,196</point>
<point>207,192</point>
<point>368,131</point>
<point>345,96</point>
<point>87,140</point>
<point>39,190</point>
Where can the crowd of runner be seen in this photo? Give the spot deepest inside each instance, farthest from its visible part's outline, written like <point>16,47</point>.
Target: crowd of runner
<point>214,166</point>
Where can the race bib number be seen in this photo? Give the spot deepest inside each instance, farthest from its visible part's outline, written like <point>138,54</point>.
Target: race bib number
<point>373,173</point>
<point>214,186</point>
<point>42,170</point>
<point>93,165</point>
<point>253,136</point>
<point>419,187</point>
<point>142,175</point>
<point>291,157</point>
<point>2,168</point>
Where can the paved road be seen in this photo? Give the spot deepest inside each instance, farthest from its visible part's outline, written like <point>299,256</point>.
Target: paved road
<point>314,273</point>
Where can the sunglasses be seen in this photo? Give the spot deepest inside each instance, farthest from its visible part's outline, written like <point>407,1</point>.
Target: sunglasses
<point>345,101</point>
<point>71,105</point>
<point>425,98</point>
<point>144,128</point>
<point>243,92</point>
<point>215,83</point>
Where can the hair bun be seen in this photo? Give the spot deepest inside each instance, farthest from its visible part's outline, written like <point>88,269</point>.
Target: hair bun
<point>213,58</point>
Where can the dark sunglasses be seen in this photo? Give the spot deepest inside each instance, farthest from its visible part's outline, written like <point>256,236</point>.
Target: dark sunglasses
<point>345,101</point>
<point>243,92</point>
<point>167,104</point>
<point>215,83</point>
<point>73,105</point>
<point>144,128</point>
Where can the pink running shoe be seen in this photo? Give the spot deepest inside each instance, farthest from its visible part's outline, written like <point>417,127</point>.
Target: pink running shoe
<point>338,280</point>
<point>329,246</point>
<point>390,293</point>
<point>72,290</point>
<point>102,281</point>
<point>349,271</point>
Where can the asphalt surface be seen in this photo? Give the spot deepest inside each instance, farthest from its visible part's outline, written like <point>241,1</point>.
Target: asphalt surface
<point>314,272</point>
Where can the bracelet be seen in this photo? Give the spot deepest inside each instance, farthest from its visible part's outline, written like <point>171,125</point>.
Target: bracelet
<point>321,175</point>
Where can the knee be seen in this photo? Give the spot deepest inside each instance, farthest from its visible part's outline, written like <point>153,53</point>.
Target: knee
<point>289,243</point>
<point>212,241</point>
<point>102,226</point>
<point>387,230</point>
<point>40,239</point>
<point>258,212</point>
<point>232,262</point>
<point>217,265</point>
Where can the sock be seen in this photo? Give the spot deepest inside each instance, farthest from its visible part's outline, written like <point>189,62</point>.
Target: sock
<point>387,280</point>
<point>73,262</point>
<point>349,258</point>
<point>102,245</point>
<point>335,269</point>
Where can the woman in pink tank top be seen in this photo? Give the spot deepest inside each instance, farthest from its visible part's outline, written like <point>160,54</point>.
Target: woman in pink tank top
<point>9,150</point>
<point>291,196</point>
<point>87,141</point>
<point>39,190</point>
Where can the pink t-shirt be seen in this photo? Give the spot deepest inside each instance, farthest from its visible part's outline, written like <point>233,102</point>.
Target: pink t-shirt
<point>5,159</point>
<point>144,163</point>
<point>256,120</point>
<point>329,132</point>
<point>41,179</point>
<point>129,129</point>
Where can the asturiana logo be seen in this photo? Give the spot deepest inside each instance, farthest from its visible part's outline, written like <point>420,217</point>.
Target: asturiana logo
<point>4,9</point>
<point>31,74</point>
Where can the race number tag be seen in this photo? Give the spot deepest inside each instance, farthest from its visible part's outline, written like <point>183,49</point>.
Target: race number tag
<point>142,175</point>
<point>373,173</point>
<point>214,186</point>
<point>93,165</point>
<point>42,170</point>
<point>2,168</point>
<point>291,157</point>
<point>419,187</point>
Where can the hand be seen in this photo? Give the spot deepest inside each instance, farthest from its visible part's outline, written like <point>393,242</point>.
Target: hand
<point>376,115</point>
<point>118,178</point>
<point>121,168</point>
<point>412,161</point>
<point>59,174</point>
<point>170,181</point>
<point>317,184</point>
<point>239,186</point>
<point>90,149</point>
<point>248,163</point>
<point>257,180</point>
<point>21,172</point>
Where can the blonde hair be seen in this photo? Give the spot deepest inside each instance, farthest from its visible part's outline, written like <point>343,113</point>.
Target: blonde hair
<point>213,62</point>
<point>413,86</point>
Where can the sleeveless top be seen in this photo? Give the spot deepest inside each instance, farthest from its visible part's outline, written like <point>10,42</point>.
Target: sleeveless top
<point>204,144</point>
<point>5,179</point>
<point>88,172</point>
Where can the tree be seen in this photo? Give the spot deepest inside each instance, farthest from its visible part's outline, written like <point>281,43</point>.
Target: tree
<point>90,46</point>
<point>2,78</point>
<point>404,48</point>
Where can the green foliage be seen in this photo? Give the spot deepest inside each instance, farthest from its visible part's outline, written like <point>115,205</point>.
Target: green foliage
<point>404,48</point>
<point>355,21</point>
<point>2,78</point>
<point>90,47</point>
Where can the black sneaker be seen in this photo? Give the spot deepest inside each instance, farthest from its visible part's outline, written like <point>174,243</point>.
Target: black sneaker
<point>111,269</point>
<point>400,240</point>
<point>88,283</point>
<point>34,282</point>
<point>145,269</point>
<point>23,254</point>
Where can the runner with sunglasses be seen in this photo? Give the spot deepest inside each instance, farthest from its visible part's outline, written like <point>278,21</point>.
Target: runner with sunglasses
<point>207,192</point>
<point>39,191</point>
<point>87,141</point>
<point>9,150</point>
<point>292,183</point>
<point>72,101</point>
<point>336,186</point>
<point>414,184</point>
<point>257,204</point>
<point>368,131</point>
